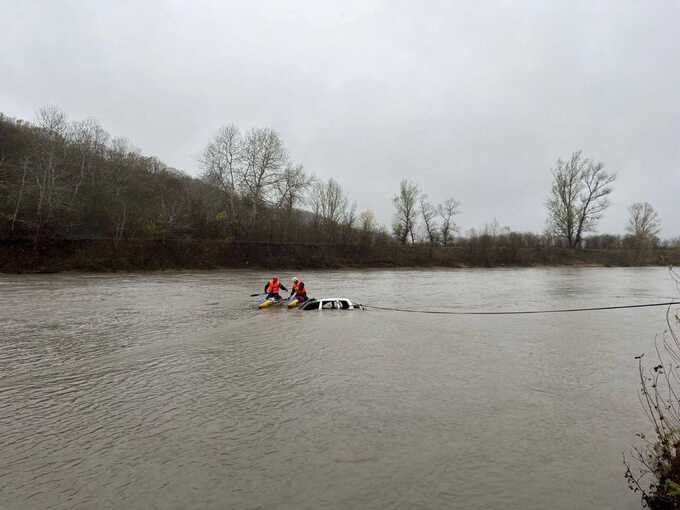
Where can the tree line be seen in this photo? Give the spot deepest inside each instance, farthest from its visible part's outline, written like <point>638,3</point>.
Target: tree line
<point>264,192</point>
<point>578,199</point>
<point>73,180</point>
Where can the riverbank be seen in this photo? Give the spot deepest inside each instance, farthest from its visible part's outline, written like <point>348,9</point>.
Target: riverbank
<point>104,255</point>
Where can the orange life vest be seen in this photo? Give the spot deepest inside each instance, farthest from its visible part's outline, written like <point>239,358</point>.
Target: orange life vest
<point>274,287</point>
<point>296,286</point>
<point>301,293</point>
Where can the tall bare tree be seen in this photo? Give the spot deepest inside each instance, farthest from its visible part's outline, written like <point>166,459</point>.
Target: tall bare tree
<point>447,211</point>
<point>52,121</point>
<point>264,158</point>
<point>428,213</point>
<point>222,161</point>
<point>644,222</point>
<point>329,205</point>
<point>289,194</point>
<point>579,196</point>
<point>90,139</point>
<point>406,216</point>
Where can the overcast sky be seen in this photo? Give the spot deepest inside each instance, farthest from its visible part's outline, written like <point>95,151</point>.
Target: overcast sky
<point>474,100</point>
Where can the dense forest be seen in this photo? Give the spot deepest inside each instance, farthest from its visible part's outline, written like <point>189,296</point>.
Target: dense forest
<point>68,190</point>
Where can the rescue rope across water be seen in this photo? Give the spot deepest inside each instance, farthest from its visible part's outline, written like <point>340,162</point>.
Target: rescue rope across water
<point>521,312</point>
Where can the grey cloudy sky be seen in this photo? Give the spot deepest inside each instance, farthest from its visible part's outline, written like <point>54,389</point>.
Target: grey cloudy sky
<point>474,100</point>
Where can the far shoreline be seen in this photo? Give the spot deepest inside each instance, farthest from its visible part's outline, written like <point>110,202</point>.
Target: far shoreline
<point>109,256</point>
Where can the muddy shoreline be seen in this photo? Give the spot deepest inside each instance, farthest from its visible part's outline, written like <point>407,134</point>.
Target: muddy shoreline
<point>105,255</point>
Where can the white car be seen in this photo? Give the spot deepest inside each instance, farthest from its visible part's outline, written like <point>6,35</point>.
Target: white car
<point>330,304</point>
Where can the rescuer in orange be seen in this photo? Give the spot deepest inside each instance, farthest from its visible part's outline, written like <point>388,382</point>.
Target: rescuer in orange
<point>296,285</point>
<point>301,293</point>
<point>273,287</point>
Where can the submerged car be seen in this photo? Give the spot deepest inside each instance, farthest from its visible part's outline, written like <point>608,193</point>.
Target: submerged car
<point>330,304</point>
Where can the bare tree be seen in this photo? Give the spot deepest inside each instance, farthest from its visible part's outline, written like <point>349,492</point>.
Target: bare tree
<point>334,206</point>
<point>52,119</point>
<point>90,139</point>
<point>222,157</point>
<point>291,188</point>
<point>447,211</point>
<point>644,222</point>
<point>289,193</point>
<point>579,197</point>
<point>264,157</point>
<point>406,214</point>
<point>54,124</point>
<point>329,204</point>
<point>428,213</point>
<point>222,161</point>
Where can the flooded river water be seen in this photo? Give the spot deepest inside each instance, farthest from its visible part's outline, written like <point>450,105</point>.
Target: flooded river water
<point>171,390</point>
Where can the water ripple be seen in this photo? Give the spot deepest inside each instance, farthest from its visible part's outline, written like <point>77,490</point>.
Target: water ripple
<point>173,390</point>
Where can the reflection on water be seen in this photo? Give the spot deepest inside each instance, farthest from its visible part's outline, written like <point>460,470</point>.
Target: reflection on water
<point>173,390</point>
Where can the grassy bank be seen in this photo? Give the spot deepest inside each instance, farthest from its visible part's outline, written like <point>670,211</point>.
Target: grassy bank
<point>22,256</point>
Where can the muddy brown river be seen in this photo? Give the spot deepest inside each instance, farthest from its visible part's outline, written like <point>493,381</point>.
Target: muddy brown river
<point>172,390</point>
